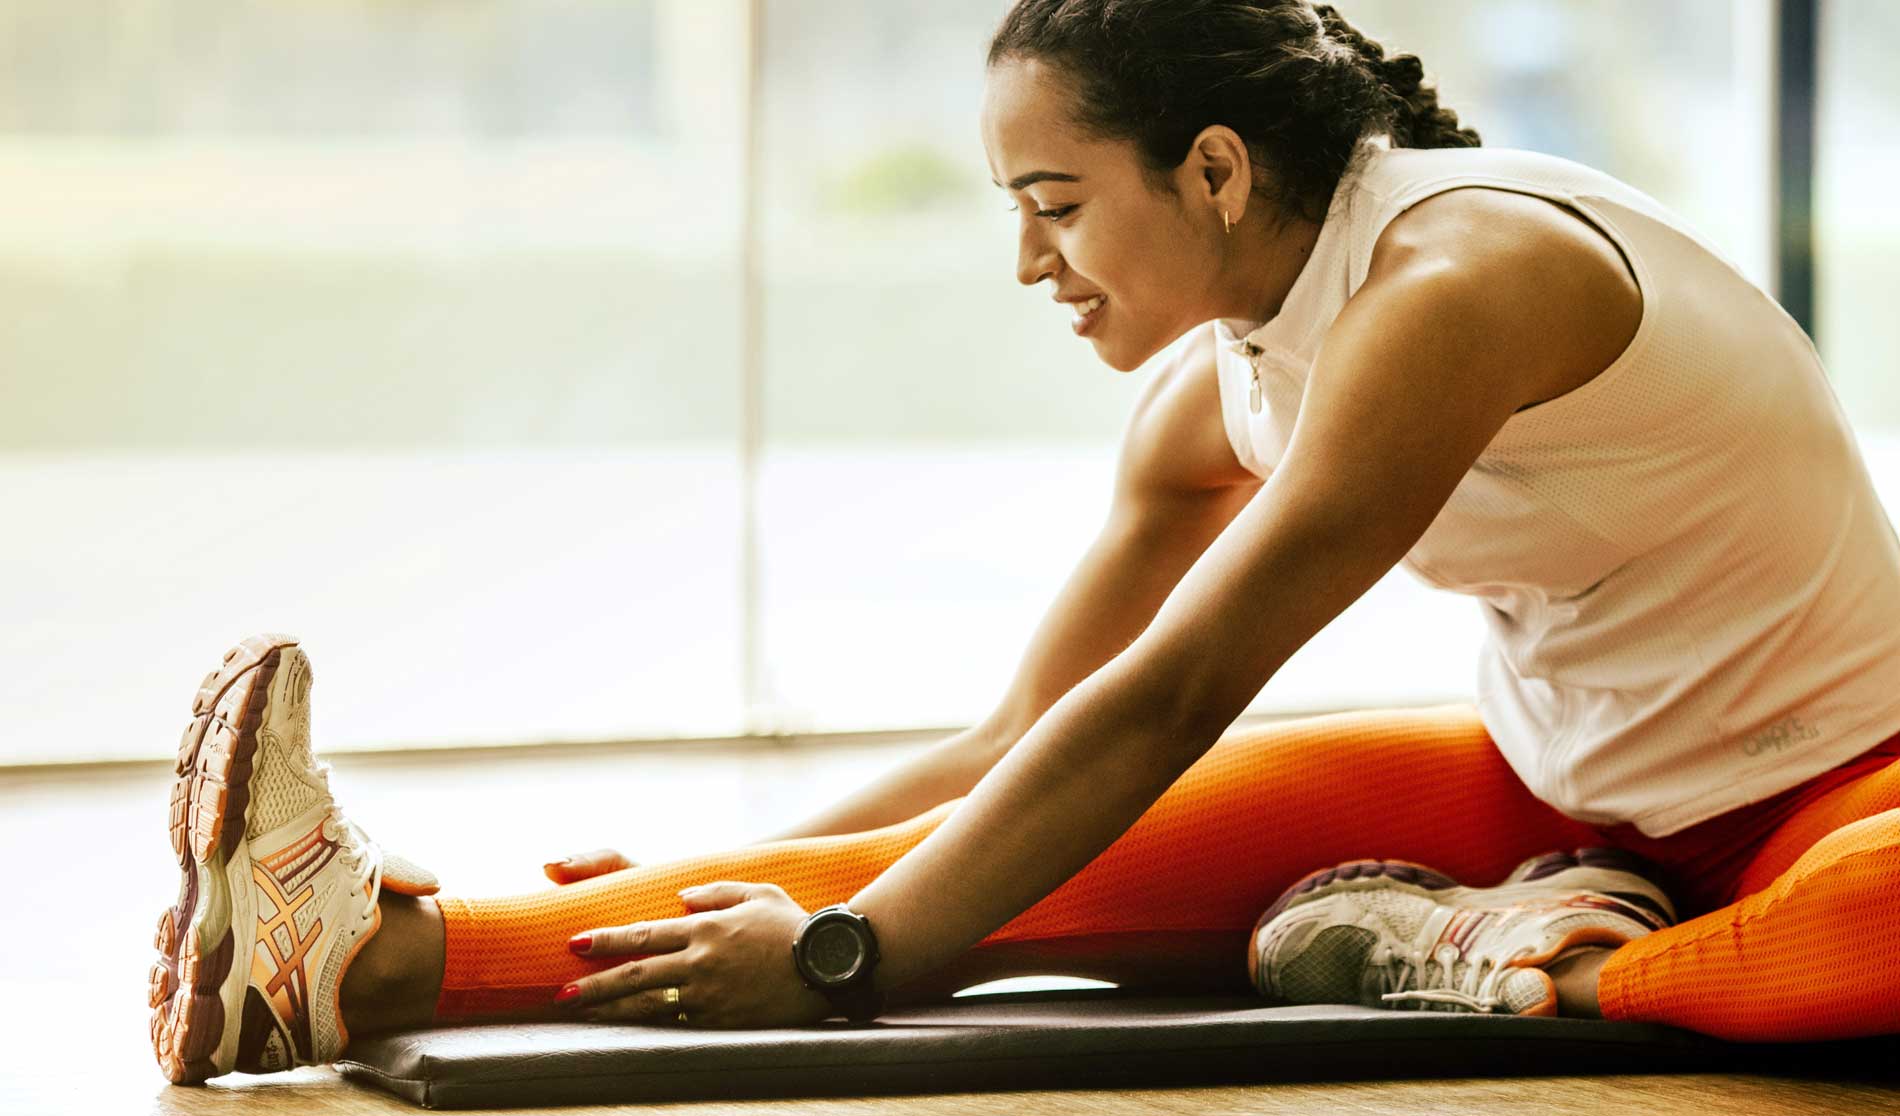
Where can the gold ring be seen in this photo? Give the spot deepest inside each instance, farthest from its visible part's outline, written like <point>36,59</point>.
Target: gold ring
<point>671,996</point>
<point>682,1017</point>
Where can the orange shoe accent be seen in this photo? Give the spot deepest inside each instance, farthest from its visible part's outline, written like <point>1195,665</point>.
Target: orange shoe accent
<point>285,881</point>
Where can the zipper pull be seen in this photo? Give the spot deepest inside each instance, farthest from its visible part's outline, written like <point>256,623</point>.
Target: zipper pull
<point>1252,352</point>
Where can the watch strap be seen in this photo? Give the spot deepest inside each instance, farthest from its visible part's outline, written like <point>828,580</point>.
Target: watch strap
<point>859,1001</point>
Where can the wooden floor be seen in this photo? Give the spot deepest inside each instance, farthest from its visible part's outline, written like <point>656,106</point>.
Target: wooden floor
<point>90,869</point>
<point>311,1091</point>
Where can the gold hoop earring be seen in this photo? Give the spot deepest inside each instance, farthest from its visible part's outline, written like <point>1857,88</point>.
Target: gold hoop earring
<point>1225,223</point>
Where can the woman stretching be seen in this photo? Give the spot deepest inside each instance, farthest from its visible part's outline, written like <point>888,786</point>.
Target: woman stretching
<point>1378,343</point>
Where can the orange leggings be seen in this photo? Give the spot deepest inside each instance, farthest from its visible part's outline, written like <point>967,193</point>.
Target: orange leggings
<point>1793,915</point>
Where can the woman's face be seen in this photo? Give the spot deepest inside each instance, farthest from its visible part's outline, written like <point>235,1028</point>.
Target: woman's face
<point>1090,223</point>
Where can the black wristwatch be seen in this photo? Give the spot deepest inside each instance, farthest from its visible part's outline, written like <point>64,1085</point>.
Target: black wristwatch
<point>836,953</point>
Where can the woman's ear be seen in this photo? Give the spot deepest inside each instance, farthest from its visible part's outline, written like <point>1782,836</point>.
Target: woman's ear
<point>1221,169</point>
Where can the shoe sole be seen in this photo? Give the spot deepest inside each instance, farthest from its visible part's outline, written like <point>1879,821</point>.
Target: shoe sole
<point>197,983</point>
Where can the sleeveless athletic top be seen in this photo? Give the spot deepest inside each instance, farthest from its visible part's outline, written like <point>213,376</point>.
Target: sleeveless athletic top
<point>1692,594</point>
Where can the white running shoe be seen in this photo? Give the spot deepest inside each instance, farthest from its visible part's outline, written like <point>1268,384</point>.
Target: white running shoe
<point>278,889</point>
<point>1391,934</point>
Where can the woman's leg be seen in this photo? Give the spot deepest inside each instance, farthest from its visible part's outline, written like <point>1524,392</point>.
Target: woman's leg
<point>1809,950</point>
<point>1173,900</point>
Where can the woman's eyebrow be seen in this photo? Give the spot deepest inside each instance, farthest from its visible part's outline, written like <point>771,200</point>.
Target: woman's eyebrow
<point>1034,177</point>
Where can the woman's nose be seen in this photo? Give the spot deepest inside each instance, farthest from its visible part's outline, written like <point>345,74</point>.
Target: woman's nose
<point>1035,259</point>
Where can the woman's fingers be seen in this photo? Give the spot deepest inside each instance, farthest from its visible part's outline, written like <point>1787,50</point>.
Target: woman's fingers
<point>649,1004</point>
<point>661,935</point>
<point>587,865</point>
<point>727,893</point>
<point>635,977</point>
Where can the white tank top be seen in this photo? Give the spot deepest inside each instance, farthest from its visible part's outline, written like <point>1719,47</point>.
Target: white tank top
<point>1692,594</point>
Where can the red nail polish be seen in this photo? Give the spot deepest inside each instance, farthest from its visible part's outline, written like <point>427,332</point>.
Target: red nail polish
<point>568,993</point>
<point>580,943</point>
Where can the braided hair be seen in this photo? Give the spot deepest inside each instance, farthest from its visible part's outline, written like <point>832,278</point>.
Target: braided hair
<point>1292,78</point>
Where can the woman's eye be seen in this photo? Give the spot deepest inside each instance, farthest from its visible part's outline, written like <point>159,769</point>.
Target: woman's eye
<point>1053,214</point>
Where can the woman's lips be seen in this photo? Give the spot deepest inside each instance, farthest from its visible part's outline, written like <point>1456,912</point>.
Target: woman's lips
<point>1084,323</point>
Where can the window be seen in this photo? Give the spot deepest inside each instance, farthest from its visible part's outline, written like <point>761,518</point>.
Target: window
<point>401,327</point>
<point>942,448</point>
<point>1857,233</point>
<point>417,330</point>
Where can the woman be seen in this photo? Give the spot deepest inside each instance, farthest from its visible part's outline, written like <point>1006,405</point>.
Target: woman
<point>1525,380</point>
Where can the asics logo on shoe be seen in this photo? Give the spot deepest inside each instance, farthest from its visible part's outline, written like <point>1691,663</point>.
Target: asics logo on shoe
<point>285,886</point>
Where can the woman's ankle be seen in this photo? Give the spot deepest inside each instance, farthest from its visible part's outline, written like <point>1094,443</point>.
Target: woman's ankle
<point>395,980</point>
<point>1575,976</point>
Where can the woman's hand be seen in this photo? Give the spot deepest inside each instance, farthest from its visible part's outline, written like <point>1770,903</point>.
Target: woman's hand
<point>730,960</point>
<point>587,865</point>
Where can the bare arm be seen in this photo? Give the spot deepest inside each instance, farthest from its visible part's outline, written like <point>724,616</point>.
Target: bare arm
<point>1177,485</point>
<point>1417,374</point>
<point>947,770</point>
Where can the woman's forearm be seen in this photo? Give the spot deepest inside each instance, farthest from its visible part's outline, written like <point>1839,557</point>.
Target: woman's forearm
<point>1103,754</point>
<point>1078,779</point>
<point>947,770</point>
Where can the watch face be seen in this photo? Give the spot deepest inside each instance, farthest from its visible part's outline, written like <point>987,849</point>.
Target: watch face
<point>834,950</point>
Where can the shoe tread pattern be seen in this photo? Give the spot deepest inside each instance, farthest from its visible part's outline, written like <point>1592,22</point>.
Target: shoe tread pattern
<point>209,797</point>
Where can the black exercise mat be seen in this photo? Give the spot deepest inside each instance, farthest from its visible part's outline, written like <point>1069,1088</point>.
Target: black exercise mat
<point>1032,1040</point>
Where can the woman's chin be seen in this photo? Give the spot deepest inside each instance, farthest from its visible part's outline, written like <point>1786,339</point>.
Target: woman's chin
<point>1115,356</point>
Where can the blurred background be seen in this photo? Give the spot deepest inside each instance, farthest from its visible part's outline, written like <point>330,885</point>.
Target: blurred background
<point>581,370</point>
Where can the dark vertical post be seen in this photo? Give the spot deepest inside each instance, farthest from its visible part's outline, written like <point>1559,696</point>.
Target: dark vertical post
<point>1797,65</point>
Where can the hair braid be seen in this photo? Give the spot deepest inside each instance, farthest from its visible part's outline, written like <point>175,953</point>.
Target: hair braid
<point>1418,119</point>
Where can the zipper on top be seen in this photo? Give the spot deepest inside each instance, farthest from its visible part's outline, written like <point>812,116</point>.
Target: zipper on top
<point>1252,352</point>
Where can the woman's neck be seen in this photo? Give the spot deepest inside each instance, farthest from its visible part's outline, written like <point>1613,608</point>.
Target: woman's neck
<point>1265,266</point>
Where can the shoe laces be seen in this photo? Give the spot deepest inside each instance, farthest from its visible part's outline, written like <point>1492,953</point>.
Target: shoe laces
<point>1434,977</point>
<point>358,853</point>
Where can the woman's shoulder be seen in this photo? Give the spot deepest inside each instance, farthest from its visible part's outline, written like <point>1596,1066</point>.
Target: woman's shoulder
<point>1490,228</point>
<point>1562,284</point>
